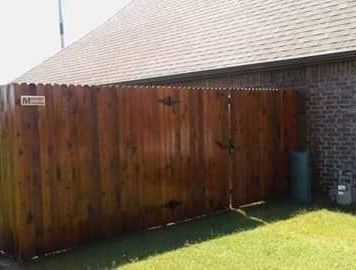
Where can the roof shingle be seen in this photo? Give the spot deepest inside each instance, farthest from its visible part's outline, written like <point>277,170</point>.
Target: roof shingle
<point>156,38</point>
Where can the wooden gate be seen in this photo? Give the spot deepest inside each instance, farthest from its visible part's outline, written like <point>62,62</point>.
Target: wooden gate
<point>263,131</point>
<point>95,162</point>
<point>98,161</point>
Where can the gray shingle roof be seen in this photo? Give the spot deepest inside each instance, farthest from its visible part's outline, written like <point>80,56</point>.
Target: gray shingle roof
<point>155,38</point>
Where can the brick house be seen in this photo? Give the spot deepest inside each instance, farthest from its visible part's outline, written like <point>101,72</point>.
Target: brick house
<point>307,45</point>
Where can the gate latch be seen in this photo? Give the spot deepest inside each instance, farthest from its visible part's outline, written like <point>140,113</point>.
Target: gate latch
<point>169,101</point>
<point>230,147</point>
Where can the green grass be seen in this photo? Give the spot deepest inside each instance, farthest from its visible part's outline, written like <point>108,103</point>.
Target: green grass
<point>278,236</point>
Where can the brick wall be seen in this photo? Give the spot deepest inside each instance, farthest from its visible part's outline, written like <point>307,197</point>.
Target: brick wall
<point>327,111</point>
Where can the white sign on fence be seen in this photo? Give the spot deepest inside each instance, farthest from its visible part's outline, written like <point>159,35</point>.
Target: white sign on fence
<point>33,101</point>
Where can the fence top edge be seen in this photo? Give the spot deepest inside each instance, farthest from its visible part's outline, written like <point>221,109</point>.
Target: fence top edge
<point>128,86</point>
<point>51,85</point>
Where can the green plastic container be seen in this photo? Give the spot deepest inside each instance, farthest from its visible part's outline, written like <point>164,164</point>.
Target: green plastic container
<point>300,176</point>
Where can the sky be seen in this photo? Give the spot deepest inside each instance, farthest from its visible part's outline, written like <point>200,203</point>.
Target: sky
<point>29,31</point>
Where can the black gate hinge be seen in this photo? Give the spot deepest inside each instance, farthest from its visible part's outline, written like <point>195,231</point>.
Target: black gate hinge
<point>173,204</point>
<point>230,146</point>
<point>169,101</point>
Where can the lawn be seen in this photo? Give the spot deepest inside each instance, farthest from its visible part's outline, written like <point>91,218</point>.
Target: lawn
<point>277,236</point>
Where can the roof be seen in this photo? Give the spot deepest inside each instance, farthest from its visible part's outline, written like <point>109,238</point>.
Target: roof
<point>157,38</point>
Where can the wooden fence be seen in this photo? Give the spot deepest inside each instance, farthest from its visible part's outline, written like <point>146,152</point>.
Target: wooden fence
<point>263,131</point>
<point>95,162</point>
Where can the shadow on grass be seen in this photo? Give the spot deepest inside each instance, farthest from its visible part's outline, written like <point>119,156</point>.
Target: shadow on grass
<point>135,247</point>
<point>324,202</point>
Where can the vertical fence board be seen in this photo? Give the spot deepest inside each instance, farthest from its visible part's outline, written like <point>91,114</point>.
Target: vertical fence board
<point>84,150</point>
<point>8,214</point>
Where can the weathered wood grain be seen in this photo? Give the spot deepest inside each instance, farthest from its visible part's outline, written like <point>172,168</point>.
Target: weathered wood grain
<point>96,162</point>
<point>263,130</point>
